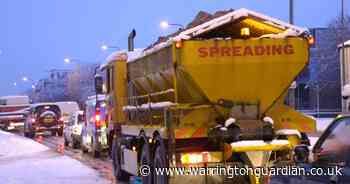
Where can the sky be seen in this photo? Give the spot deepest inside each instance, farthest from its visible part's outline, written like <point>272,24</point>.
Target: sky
<point>36,35</point>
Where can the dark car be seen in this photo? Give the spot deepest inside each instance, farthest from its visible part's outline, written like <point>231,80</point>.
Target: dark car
<point>331,157</point>
<point>43,117</point>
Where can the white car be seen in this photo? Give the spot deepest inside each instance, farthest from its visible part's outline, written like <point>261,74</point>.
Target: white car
<point>73,129</point>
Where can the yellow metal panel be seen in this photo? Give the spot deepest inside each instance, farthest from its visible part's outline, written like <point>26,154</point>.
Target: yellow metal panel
<point>249,71</point>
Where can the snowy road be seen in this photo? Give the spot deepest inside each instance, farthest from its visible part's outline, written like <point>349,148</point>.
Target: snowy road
<point>24,161</point>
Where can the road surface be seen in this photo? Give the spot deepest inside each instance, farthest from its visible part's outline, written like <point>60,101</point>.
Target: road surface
<point>24,161</point>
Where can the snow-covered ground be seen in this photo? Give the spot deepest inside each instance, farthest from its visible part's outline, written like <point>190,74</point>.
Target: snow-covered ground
<point>24,161</point>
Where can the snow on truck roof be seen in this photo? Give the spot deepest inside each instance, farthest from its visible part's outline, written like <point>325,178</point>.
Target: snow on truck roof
<point>186,34</point>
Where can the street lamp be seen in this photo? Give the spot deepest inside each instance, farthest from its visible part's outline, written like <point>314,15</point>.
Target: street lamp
<point>105,47</point>
<point>165,25</point>
<point>74,60</point>
<point>67,60</point>
<point>15,83</point>
<point>25,79</point>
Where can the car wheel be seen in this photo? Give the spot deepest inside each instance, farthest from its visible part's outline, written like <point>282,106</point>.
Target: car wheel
<point>53,132</point>
<point>116,158</point>
<point>60,132</point>
<point>66,143</point>
<point>84,149</point>
<point>95,152</point>
<point>76,144</point>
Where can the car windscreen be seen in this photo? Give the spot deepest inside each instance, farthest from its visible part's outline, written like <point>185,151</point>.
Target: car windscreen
<point>335,145</point>
<point>81,119</point>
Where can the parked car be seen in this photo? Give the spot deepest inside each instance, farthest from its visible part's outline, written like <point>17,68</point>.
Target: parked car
<point>72,129</point>
<point>68,108</point>
<point>43,117</point>
<point>12,111</point>
<point>331,151</point>
<point>94,132</point>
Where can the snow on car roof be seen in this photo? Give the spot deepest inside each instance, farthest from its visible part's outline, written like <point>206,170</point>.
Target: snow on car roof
<point>100,97</point>
<point>43,104</point>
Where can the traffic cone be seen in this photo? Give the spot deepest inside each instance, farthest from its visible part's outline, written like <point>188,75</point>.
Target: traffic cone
<point>60,148</point>
<point>39,139</point>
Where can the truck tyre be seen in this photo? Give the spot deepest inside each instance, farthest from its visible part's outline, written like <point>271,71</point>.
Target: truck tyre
<point>145,161</point>
<point>159,161</point>
<point>119,174</point>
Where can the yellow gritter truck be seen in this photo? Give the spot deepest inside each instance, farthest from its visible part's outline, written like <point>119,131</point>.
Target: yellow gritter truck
<point>211,95</point>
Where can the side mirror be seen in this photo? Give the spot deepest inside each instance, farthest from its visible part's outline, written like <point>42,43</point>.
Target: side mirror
<point>301,154</point>
<point>98,84</point>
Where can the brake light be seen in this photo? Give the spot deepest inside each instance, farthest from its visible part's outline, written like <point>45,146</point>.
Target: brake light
<point>33,120</point>
<point>61,119</point>
<point>178,44</point>
<point>98,119</point>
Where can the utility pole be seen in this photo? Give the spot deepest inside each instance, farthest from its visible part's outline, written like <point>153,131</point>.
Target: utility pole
<point>342,70</point>
<point>291,12</point>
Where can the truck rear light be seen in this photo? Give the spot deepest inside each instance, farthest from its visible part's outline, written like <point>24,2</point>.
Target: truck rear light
<point>201,157</point>
<point>192,158</point>
<point>311,40</point>
<point>178,44</point>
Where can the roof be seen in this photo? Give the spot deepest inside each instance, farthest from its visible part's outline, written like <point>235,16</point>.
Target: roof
<point>10,97</point>
<point>213,23</point>
<point>115,55</point>
<point>346,44</point>
<point>43,104</point>
<point>100,97</point>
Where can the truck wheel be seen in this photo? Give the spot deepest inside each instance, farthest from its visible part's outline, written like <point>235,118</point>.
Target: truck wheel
<point>159,161</point>
<point>146,161</point>
<point>119,174</point>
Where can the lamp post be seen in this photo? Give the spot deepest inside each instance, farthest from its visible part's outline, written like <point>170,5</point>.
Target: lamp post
<point>342,70</point>
<point>291,11</point>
